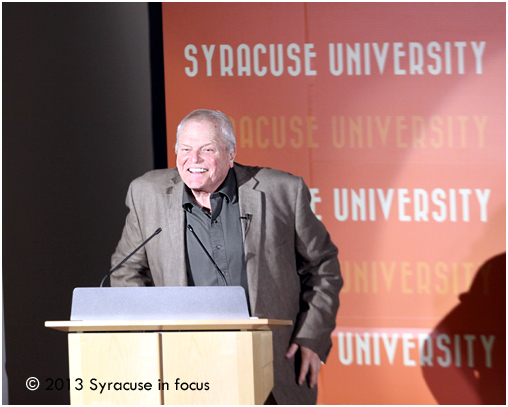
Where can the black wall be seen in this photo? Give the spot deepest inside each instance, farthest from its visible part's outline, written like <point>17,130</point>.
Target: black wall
<point>77,128</point>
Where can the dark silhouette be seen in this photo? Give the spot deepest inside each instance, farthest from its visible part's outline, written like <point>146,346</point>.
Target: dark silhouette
<point>475,374</point>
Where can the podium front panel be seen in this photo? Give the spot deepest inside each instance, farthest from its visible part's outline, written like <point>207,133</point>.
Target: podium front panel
<point>217,367</point>
<point>115,368</point>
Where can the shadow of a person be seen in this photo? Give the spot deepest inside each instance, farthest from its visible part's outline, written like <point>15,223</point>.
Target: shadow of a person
<point>471,368</point>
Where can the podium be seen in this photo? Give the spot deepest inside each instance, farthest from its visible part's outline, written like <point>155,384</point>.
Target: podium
<point>170,362</point>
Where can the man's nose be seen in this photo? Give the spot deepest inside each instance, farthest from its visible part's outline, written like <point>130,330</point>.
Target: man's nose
<point>196,156</point>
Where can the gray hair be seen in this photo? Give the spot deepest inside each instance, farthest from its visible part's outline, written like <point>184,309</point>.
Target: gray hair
<point>227,134</point>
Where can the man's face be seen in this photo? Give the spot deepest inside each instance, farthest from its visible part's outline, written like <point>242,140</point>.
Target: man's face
<point>202,158</point>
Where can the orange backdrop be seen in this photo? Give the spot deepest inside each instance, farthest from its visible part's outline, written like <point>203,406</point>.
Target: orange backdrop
<point>394,114</point>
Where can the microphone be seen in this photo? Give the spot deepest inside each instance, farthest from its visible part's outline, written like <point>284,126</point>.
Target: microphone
<point>208,254</point>
<point>129,256</point>
<point>247,218</point>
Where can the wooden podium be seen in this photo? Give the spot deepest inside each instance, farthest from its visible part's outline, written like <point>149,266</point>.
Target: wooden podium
<point>170,362</point>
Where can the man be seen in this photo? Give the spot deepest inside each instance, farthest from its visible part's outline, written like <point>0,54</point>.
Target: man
<point>257,225</point>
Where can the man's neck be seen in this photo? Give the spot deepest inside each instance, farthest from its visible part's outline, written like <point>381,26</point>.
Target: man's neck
<point>202,198</point>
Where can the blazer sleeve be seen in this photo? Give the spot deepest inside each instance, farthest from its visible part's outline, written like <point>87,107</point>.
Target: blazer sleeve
<point>320,277</point>
<point>135,272</point>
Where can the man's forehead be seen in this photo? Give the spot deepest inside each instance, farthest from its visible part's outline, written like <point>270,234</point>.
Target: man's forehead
<point>202,122</point>
<point>196,141</point>
<point>203,129</point>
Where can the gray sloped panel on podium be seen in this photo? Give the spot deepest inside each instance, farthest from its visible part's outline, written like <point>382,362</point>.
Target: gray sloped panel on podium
<point>158,303</point>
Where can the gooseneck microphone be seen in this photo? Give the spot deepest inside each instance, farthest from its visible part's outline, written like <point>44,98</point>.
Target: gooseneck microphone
<point>129,256</point>
<point>208,254</point>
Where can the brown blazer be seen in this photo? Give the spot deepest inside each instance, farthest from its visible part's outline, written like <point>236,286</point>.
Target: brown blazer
<point>292,266</point>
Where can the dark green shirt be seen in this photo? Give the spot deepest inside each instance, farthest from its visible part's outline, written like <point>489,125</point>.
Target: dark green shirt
<point>220,232</point>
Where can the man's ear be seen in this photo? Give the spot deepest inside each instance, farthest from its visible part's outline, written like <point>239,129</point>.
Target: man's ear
<point>232,155</point>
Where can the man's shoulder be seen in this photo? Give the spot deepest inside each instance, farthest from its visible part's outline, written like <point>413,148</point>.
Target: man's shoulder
<point>163,177</point>
<point>266,174</point>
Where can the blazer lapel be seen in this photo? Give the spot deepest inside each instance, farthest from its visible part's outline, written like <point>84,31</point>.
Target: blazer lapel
<point>252,213</point>
<point>175,269</point>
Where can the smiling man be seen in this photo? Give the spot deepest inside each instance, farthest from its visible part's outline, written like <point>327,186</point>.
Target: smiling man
<point>204,158</point>
<point>257,225</point>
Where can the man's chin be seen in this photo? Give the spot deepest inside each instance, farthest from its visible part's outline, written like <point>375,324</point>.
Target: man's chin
<point>197,188</point>
<point>195,182</point>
